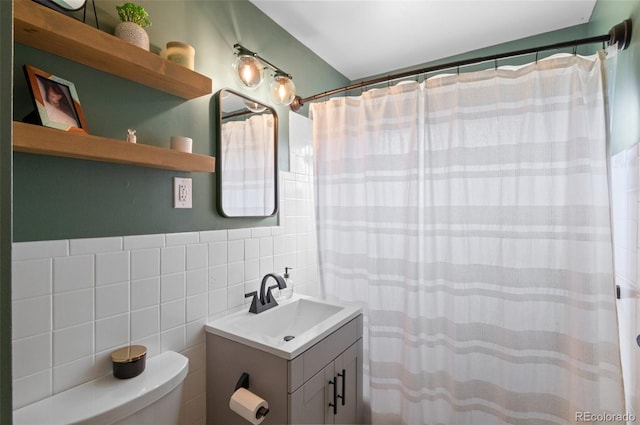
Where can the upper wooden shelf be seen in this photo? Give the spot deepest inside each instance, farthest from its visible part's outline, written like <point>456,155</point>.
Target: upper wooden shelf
<point>51,31</point>
<point>36,139</point>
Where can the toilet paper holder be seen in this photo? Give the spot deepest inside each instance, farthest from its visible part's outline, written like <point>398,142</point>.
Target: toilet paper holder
<point>243,382</point>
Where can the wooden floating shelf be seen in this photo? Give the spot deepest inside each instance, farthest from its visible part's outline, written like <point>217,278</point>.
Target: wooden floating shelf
<point>35,139</point>
<point>51,31</point>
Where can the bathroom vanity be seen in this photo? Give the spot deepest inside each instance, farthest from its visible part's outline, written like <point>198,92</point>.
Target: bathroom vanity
<point>313,378</point>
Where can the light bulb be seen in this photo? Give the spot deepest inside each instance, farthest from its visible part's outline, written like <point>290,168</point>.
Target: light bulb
<point>282,90</point>
<point>248,70</point>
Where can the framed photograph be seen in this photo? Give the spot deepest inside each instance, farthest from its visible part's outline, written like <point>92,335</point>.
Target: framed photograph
<point>56,101</point>
<point>63,5</point>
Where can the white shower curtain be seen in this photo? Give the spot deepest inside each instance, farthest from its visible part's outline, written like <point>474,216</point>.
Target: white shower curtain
<point>469,215</point>
<point>248,170</point>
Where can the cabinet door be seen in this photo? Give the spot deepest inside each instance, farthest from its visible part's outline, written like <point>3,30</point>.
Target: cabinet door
<point>331,395</point>
<point>309,403</point>
<point>348,380</point>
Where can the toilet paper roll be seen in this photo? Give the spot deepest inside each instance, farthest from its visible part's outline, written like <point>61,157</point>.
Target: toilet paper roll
<point>246,404</point>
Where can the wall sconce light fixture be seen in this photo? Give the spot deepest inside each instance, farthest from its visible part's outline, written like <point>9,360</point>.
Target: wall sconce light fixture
<point>249,67</point>
<point>248,70</point>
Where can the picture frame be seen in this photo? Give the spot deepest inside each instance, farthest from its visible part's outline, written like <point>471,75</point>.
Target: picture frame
<point>56,101</point>
<point>64,5</point>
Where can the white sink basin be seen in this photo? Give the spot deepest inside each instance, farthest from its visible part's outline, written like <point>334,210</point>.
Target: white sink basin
<point>306,319</point>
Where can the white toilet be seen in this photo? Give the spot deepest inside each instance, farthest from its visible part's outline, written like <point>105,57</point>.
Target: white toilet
<point>154,397</point>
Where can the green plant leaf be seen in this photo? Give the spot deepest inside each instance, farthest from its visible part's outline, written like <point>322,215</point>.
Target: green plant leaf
<point>129,12</point>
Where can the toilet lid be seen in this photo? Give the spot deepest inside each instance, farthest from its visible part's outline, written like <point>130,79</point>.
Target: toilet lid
<point>107,399</point>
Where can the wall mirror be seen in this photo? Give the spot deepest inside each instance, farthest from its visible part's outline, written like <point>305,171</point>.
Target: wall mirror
<point>247,156</point>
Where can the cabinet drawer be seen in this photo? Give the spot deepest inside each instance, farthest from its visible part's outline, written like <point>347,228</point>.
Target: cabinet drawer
<point>303,367</point>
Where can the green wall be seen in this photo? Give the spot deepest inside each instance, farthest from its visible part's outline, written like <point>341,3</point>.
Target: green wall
<point>625,126</point>
<point>6,46</point>
<point>566,34</point>
<point>60,198</point>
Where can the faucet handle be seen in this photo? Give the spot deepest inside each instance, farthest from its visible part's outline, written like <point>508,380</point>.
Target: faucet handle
<point>254,302</point>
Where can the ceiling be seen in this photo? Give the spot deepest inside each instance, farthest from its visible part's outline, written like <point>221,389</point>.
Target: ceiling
<point>362,38</point>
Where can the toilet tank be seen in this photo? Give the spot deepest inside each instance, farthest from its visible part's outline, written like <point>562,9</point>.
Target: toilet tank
<point>108,400</point>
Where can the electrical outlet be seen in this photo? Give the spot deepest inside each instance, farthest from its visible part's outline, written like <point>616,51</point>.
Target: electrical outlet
<point>182,194</point>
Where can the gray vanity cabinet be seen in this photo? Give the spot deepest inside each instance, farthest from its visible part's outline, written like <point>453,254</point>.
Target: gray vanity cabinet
<point>299,390</point>
<point>330,396</point>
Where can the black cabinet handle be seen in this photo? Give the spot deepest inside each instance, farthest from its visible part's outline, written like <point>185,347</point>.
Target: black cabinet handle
<point>335,396</point>
<point>343,375</point>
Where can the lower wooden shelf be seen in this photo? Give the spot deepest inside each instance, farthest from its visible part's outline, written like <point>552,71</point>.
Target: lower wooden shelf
<point>40,140</point>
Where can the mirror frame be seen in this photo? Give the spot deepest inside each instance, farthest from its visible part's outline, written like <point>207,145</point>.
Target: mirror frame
<point>219,182</point>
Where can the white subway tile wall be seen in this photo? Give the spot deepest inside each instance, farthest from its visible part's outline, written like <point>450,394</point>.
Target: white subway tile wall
<point>625,182</point>
<point>76,301</point>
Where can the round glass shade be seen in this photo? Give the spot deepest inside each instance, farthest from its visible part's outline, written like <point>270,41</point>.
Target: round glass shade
<point>282,90</point>
<point>248,70</point>
<point>254,106</point>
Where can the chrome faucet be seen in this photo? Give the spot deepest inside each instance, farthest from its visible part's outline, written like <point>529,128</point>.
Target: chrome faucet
<point>265,301</point>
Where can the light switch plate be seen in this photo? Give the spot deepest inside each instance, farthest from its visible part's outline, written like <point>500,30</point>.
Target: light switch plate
<point>182,194</point>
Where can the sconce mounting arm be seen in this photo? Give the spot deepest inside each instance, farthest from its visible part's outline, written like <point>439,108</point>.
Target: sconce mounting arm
<point>243,51</point>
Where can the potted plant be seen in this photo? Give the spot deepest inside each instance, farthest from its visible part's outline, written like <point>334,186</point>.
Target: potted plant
<point>132,28</point>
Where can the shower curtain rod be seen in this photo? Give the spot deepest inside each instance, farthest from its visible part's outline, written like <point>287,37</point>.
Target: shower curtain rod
<point>620,33</point>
